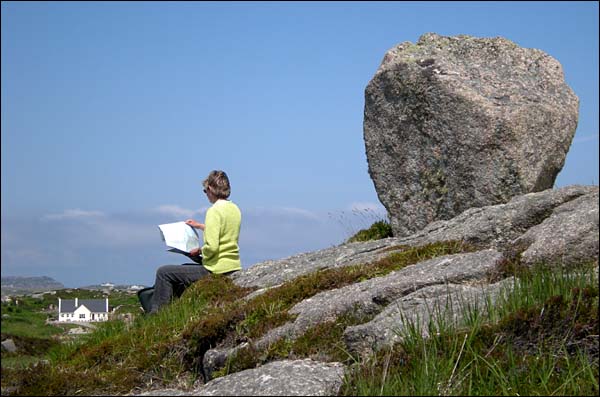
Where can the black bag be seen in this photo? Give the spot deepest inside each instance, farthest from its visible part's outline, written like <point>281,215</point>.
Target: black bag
<point>145,296</point>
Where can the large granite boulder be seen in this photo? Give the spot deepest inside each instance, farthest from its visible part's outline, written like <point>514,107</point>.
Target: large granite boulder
<point>453,123</point>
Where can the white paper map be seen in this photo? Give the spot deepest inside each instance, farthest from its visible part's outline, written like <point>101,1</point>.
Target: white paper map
<point>179,236</point>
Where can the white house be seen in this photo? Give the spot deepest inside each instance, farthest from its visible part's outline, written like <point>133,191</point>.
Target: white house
<point>82,310</point>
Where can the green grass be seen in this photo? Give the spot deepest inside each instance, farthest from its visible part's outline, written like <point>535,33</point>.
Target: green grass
<point>378,230</point>
<point>536,340</point>
<point>162,348</point>
<point>36,341</point>
<point>540,339</point>
<point>117,357</point>
<point>28,324</point>
<point>251,320</point>
<point>371,224</point>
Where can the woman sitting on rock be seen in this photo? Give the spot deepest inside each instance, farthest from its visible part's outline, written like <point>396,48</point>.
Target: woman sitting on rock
<point>220,253</point>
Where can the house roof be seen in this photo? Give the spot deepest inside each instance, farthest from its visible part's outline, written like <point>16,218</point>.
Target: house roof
<point>94,305</point>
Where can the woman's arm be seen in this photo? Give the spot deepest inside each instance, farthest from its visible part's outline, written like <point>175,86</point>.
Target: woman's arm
<point>195,224</point>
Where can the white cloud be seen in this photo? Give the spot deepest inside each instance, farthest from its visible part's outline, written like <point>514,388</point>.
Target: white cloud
<point>278,232</point>
<point>178,212</point>
<point>281,212</point>
<point>297,212</point>
<point>121,233</point>
<point>288,212</point>
<point>73,214</point>
<point>95,228</point>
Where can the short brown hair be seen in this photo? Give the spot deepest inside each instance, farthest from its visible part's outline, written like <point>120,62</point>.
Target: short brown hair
<point>218,183</point>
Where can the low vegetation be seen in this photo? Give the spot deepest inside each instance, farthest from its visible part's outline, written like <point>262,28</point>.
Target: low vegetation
<point>363,224</point>
<point>542,338</point>
<point>25,322</point>
<point>380,229</point>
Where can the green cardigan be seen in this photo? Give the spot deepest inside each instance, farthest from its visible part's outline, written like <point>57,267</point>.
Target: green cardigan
<point>220,252</point>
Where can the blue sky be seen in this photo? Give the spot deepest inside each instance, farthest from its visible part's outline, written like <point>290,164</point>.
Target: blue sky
<point>113,114</point>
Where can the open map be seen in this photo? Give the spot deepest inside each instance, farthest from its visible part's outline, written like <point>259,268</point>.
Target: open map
<point>179,237</point>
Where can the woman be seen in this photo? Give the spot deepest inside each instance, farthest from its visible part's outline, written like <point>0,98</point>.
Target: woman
<point>220,253</point>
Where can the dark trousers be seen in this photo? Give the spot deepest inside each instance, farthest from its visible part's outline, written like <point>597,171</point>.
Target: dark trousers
<point>172,280</point>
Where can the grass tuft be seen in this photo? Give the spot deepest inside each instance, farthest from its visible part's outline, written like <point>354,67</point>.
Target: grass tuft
<point>378,230</point>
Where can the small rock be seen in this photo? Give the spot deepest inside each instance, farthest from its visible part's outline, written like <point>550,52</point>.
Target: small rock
<point>9,346</point>
<point>280,378</point>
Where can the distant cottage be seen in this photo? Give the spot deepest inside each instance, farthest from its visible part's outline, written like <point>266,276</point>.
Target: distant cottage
<point>82,310</point>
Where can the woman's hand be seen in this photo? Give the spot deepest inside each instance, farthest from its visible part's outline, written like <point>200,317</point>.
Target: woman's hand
<point>194,224</point>
<point>195,252</point>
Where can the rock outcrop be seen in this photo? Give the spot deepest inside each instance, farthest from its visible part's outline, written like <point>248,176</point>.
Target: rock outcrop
<point>453,123</point>
<point>279,378</point>
<point>302,378</point>
<point>493,226</point>
<point>557,227</point>
<point>449,302</point>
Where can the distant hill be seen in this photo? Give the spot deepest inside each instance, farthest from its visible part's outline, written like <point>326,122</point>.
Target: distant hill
<point>21,285</point>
